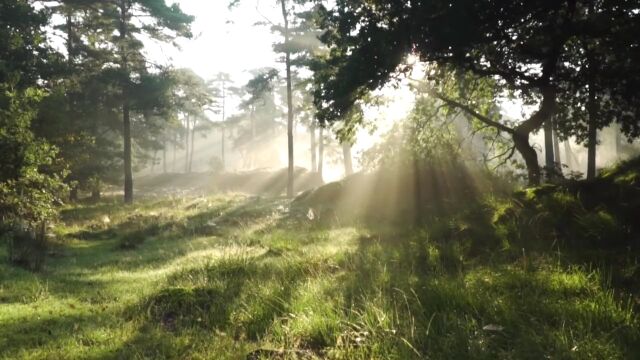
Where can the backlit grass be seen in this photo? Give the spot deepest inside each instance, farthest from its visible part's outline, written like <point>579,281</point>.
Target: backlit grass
<point>231,277</point>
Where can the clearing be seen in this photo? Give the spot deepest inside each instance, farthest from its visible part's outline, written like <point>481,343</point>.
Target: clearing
<point>235,277</point>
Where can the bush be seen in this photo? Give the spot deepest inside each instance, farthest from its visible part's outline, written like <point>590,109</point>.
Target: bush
<point>27,246</point>
<point>554,215</point>
<point>29,188</point>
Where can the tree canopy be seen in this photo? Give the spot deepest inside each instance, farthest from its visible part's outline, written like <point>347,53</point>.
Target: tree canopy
<point>533,50</point>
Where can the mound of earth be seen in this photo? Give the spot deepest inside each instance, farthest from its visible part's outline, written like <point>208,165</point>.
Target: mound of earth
<point>255,182</point>
<point>396,194</point>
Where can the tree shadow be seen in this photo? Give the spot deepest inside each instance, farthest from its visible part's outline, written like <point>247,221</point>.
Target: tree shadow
<point>237,298</point>
<point>53,330</point>
<point>477,308</point>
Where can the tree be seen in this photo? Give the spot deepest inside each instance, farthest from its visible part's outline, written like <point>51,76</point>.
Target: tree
<point>25,53</point>
<point>522,46</point>
<point>131,18</point>
<point>30,180</point>
<point>191,97</point>
<point>287,55</point>
<point>602,89</point>
<point>29,184</point>
<point>223,81</point>
<point>346,133</point>
<point>259,115</point>
<point>321,143</point>
<point>348,159</point>
<point>289,48</point>
<point>79,116</point>
<point>305,47</point>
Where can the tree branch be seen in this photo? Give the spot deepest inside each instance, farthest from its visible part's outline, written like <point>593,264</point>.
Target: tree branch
<point>475,114</point>
<point>511,152</point>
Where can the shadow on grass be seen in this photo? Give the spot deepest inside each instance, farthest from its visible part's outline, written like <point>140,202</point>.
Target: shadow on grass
<point>448,290</point>
<point>209,220</point>
<point>441,304</point>
<point>91,211</point>
<point>238,298</point>
<point>54,330</point>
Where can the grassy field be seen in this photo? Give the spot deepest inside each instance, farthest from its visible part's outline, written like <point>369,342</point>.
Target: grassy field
<point>233,277</point>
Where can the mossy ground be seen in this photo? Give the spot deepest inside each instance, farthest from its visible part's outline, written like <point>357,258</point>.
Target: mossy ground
<point>233,277</point>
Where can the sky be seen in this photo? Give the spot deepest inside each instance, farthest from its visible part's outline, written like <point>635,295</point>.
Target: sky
<point>224,40</point>
<point>230,41</point>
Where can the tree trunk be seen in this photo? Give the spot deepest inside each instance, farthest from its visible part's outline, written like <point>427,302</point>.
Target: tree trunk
<point>95,190</point>
<point>289,100</point>
<point>175,152</point>
<point>312,134</point>
<point>70,44</point>
<point>224,163</point>
<point>618,140</point>
<point>164,157</point>
<point>556,151</point>
<point>320,152</point>
<point>193,141</point>
<point>253,124</point>
<point>522,132</point>
<point>153,161</point>
<point>568,156</point>
<point>128,171</point>
<point>592,144</point>
<point>126,116</point>
<point>73,194</point>
<point>95,195</point>
<point>528,153</point>
<point>348,162</point>
<point>592,113</point>
<point>592,107</point>
<point>224,118</point>
<point>548,149</point>
<point>186,145</point>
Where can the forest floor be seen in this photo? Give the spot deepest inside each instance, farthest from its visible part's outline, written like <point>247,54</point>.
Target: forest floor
<point>237,277</point>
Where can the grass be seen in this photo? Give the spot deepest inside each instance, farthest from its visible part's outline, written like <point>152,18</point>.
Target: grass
<point>232,277</point>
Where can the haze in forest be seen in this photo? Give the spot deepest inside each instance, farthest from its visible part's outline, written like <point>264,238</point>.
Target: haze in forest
<point>319,179</point>
<point>236,41</point>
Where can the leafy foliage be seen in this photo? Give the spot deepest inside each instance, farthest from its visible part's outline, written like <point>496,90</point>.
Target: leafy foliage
<point>534,50</point>
<point>25,54</point>
<point>29,190</point>
<point>427,135</point>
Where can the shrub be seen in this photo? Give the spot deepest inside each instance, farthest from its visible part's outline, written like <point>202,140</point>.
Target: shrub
<point>29,187</point>
<point>27,246</point>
